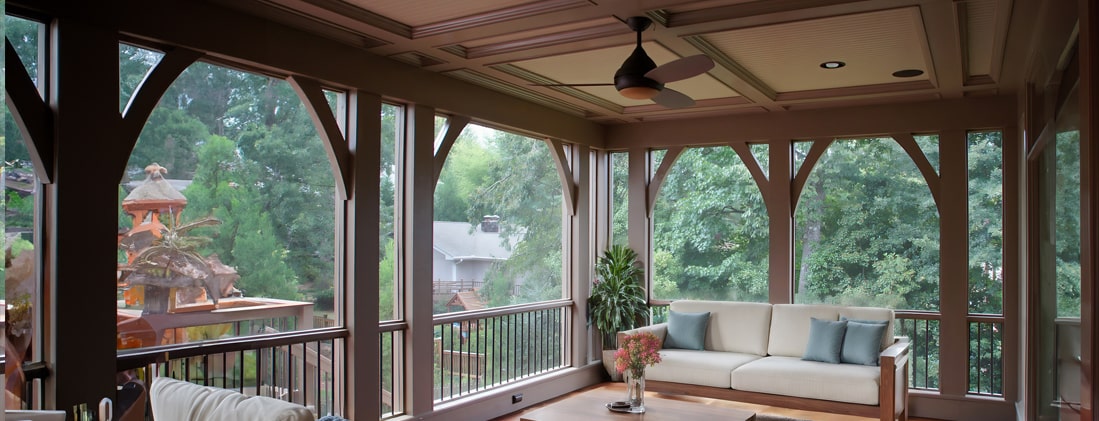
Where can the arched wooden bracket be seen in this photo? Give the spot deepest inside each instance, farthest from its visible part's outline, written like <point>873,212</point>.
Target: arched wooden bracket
<point>564,171</point>
<point>31,114</point>
<point>750,161</point>
<point>658,178</point>
<point>934,183</point>
<point>454,126</point>
<point>802,175</point>
<point>145,98</point>
<point>335,143</point>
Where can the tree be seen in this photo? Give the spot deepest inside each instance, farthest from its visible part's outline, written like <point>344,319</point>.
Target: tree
<point>710,229</point>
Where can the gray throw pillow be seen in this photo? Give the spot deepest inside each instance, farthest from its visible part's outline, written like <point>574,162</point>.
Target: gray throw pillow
<point>686,330</point>
<point>825,340</point>
<point>862,342</point>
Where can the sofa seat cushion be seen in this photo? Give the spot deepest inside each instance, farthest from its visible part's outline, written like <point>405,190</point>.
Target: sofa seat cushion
<point>792,376</point>
<point>173,399</point>
<point>707,368</point>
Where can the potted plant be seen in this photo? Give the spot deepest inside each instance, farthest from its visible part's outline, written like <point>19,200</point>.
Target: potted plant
<point>617,300</point>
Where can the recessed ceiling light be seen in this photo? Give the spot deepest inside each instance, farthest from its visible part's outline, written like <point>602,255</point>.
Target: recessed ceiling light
<point>907,73</point>
<point>832,64</point>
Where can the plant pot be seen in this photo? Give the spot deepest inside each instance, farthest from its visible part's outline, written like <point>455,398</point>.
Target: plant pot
<point>608,364</point>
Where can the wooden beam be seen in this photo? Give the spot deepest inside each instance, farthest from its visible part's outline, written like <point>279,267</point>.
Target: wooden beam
<point>328,128</point>
<point>31,114</point>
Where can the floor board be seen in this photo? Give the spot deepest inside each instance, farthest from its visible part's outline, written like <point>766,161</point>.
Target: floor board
<point>759,409</point>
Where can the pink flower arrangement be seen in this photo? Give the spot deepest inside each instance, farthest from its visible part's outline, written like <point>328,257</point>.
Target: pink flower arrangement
<point>636,352</point>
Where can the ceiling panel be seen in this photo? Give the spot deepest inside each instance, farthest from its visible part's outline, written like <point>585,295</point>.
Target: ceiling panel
<point>980,35</point>
<point>873,45</point>
<point>547,30</point>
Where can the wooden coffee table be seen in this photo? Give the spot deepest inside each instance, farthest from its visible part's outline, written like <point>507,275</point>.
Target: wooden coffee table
<point>590,405</point>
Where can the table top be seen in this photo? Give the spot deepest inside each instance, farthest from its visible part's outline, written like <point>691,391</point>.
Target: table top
<point>590,405</point>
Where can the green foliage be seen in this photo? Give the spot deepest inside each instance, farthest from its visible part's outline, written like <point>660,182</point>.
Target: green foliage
<point>386,275</point>
<point>617,301</point>
<point>710,227</point>
<point>867,229</point>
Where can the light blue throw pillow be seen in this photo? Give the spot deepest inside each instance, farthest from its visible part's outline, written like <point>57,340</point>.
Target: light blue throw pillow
<point>862,342</point>
<point>825,340</point>
<point>686,330</point>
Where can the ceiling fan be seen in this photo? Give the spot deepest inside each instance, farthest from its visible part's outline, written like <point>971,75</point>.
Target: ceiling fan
<point>640,77</point>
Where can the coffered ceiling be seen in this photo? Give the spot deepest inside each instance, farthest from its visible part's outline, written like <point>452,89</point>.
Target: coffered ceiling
<point>769,54</point>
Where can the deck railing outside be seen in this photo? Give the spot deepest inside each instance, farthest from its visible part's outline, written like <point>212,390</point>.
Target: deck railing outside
<point>299,367</point>
<point>480,350</point>
<point>986,364</point>
<point>392,377</point>
<point>922,330</point>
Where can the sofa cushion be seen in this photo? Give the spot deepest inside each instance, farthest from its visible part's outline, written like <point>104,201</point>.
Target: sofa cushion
<point>793,376</point>
<point>173,399</point>
<point>686,330</point>
<point>861,342</point>
<point>707,368</point>
<point>825,340</point>
<point>734,326</point>
<point>789,333</point>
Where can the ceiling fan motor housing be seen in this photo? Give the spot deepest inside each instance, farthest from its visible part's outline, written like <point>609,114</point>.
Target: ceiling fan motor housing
<point>633,70</point>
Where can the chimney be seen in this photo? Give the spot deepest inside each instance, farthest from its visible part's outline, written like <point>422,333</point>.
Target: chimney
<point>490,223</point>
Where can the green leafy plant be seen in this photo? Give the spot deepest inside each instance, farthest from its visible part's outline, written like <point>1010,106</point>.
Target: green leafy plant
<point>617,301</point>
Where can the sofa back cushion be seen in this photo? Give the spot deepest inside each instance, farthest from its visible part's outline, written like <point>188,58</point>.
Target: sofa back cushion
<point>734,326</point>
<point>790,324</point>
<point>173,399</point>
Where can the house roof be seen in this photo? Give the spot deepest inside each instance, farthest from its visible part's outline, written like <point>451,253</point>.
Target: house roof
<point>468,300</point>
<point>456,241</point>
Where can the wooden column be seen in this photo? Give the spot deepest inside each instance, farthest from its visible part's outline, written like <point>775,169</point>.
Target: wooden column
<point>415,234</point>
<point>81,213</point>
<point>953,264</point>
<point>780,213</point>
<point>640,223</point>
<point>1089,184</point>
<point>579,244</point>
<point>360,254</point>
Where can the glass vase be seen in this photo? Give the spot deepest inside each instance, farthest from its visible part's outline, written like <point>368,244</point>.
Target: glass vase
<point>635,390</point>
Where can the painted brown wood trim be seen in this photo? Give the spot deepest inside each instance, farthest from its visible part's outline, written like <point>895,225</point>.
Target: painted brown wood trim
<point>594,32</point>
<point>855,90</point>
<point>1012,146</point>
<point>347,9</point>
<point>806,404</point>
<point>564,171</point>
<point>802,176</point>
<point>31,113</point>
<point>908,142</point>
<point>454,126</point>
<point>658,178</point>
<point>145,98</point>
<point>1089,135</point>
<point>332,136</point>
<point>754,168</point>
<point>954,264</point>
<point>496,16</point>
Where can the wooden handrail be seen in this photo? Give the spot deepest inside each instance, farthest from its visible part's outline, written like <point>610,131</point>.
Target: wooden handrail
<point>135,358</point>
<point>462,316</point>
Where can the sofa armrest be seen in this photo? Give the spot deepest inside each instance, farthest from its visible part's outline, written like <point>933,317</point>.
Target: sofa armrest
<point>893,390</point>
<point>659,329</point>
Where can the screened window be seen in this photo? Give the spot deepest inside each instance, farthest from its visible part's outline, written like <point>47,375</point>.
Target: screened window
<point>227,201</point>
<point>710,230</point>
<point>19,278</point>
<point>867,230</point>
<point>498,223</point>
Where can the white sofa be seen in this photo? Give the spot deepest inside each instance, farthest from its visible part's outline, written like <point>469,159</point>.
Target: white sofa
<point>753,352</point>
<point>176,400</point>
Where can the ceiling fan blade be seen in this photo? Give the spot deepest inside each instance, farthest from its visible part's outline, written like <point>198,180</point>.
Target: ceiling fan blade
<point>683,68</point>
<point>571,84</point>
<point>672,98</point>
